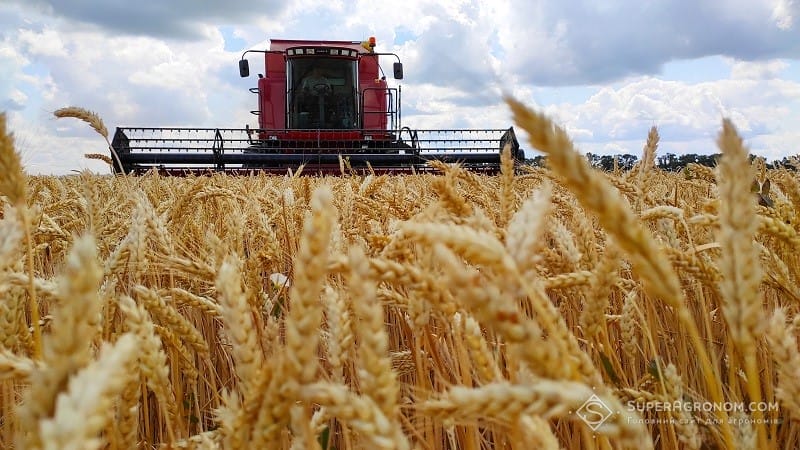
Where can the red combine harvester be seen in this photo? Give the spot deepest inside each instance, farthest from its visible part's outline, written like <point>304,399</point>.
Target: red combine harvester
<point>322,105</point>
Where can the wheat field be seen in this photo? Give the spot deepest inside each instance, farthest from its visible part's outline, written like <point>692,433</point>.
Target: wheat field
<point>553,308</point>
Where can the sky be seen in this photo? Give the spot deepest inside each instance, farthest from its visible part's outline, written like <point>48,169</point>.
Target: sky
<point>607,71</point>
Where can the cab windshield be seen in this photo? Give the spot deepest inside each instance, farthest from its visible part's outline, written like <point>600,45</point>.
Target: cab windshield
<point>322,93</point>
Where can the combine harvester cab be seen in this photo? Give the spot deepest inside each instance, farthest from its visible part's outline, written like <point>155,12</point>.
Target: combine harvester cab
<point>322,105</point>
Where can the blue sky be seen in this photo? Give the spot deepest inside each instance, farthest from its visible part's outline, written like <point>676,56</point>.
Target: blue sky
<point>607,71</point>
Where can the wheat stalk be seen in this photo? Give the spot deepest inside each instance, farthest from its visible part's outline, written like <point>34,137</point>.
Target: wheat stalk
<point>616,216</point>
<point>739,262</point>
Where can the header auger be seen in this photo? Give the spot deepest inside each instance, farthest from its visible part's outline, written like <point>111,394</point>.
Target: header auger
<point>322,105</point>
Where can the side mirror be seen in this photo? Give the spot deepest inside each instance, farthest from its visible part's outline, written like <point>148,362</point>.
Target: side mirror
<point>398,71</point>
<point>244,68</point>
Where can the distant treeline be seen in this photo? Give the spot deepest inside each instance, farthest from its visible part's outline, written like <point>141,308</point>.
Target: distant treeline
<point>668,161</point>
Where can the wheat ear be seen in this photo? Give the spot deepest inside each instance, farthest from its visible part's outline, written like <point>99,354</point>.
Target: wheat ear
<point>685,424</point>
<point>506,185</point>
<point>298,362</point>
<point>14,185</point>
<point>68,348</point>
<point>11,235</point>
<point>90,117</point>
<point>547,399</point>
<point>305,313</point>
<point>13,324</point>
<point>377,379</point>
<point>502,313</point>
<point>15,367</point>
<point>358,411</point>
<point>12,182</point>
<point>94,120</point>
<point>152,358</point>
<point>648,160</point>
<point>169,316</point>
<point>592,317</point>
<point>784,350</point>
<point>340,332</point>
<point>526,227</point>
<point>739,262</point>
<point>239,325</point>
<point>81,413</point>
<point>537,433</point>
<point>101,157</point>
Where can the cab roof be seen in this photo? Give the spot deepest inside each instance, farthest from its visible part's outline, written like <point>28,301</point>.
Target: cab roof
<point>284,44</point>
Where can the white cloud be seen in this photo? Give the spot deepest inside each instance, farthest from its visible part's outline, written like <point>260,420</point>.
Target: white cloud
<point>564,43</point>
<point>44,43</point>
<point>783,13</point>
<point>181,19</point>
<point>11,63</point>
<point>10,55</point>
<point>757,70</point>
<point>17,99</point>
<point>685,114</point>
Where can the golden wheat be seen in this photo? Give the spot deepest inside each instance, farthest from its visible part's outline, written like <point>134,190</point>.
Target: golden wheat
<point>455,310</point>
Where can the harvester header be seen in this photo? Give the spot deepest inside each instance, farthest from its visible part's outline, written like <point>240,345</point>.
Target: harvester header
<point>322,106</point>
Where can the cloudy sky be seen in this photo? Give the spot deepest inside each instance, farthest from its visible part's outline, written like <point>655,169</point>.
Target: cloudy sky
<point>606,70</point>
